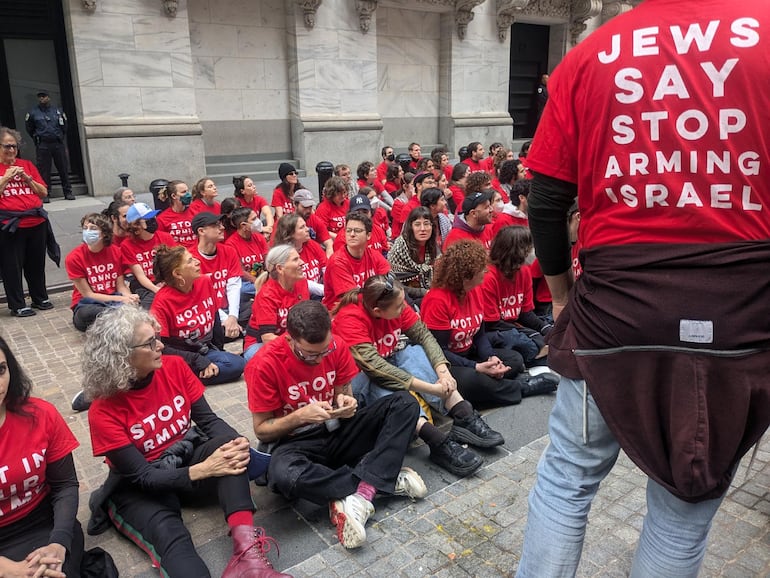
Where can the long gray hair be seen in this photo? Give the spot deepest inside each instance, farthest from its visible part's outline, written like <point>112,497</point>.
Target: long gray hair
<point>106,355</point>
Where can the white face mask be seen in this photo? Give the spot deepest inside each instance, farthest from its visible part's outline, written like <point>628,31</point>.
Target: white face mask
<point>256,226</point>
<point>90,237</point>
<point>375,202</point>
<point>530,258</point>
<point>498,207</point>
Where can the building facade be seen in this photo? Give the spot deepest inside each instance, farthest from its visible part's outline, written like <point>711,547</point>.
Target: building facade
<point>154,87</point>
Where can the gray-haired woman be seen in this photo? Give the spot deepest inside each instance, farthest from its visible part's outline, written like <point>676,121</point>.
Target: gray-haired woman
<point>141,421</point>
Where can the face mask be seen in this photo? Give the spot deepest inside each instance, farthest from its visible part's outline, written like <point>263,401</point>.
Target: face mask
<point>152,225</point>
<point>498,207</point>
<point>530,258</point>
<point>256,226</point>
<point>374,203</point>
<point>91,237</point>
<point>186,199</point>
<point>391,157</point>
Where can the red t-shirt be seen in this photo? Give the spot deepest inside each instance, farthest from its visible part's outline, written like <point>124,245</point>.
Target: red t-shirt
<point>199,206</point>
<point>398,215</point>
<point>100,270</point>
<point>277,381</point>
<point>256,204</point>
<point>441,310</point>
<point>250,251</point>
<point>320,230</point>
<point>221,267</point>
<point>489,164</point>
<point>542,292</point>
<point>152,418</point>
<point>458,234</point>
<point>271,307</point>
<point>660,132</point>
<point>332,216</point>
<point>178,225</point>
<point>313,261</point>
<point>27,446</point>
<point>382,171</point>
<point>358,326</point>
<point>19,196</point>
<point>458,196</point>
<point>475,166</point>
<point>577,268</point>
<point>378,241</point>
<point>391,187</point>
<point>344,273</point>
<point>280,200</point>
<point>505,220</point>
<point>186,315</point>
<point>505,298</point>
<point>134,251</point>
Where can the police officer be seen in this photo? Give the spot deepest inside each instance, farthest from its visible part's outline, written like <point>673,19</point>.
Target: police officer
<point>47,125</point>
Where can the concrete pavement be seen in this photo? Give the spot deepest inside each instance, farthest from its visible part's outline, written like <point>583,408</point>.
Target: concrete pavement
<point>465,527</point>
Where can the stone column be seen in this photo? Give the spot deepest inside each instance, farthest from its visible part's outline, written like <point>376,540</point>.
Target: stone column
<point>333,83</point>
<point>132,70</point>
<point>473,80</point>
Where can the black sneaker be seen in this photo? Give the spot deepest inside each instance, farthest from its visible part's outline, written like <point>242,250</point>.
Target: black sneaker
<point>69,196</point>
<point>80,403</point>
<point>23,312</point>
<point>46,199</point>
<point>43,305</point>
<point>456,459</point>
<point>540,384</point>
<point>475,431</point>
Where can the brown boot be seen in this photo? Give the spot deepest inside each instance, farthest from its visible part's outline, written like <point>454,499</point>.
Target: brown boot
<point>250,544</point>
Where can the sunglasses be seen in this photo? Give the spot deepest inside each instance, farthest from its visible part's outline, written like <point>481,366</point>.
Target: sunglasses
<point>9,147</point>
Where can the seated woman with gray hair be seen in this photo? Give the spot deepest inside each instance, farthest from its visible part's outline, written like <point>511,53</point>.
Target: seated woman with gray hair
<point>283,286</point>
<point>141,421</point>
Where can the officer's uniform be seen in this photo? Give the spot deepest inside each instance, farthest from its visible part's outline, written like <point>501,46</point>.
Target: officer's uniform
<point>48,128</point>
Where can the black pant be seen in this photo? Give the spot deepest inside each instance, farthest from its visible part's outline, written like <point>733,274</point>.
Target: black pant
<point>321,466</point>
<point>482,390</point>
<point>153,519</point>
<point>23,253</point>
<point>85,315</point>
<point>56,151</point>
<point>33,531</point>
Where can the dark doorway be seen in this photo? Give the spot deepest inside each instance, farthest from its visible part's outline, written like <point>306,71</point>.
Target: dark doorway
<point>33,56</point>
<point>529,60</point>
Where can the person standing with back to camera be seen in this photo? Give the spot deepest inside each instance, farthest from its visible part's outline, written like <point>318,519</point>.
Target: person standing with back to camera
<point>659,355</point>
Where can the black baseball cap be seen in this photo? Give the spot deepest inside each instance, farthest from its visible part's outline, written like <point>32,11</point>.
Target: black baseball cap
<point>204,219</point>
<point>474,200</point>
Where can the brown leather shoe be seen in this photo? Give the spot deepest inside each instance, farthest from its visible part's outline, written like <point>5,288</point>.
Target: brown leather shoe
<point>250,546</point>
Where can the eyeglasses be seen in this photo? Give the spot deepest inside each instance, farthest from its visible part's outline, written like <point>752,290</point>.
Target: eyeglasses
<point>152,343</point>
<point>9,147</point>
<point>315,356</point>
<point>291,173</point>
<point>355,231</point>
<point>387,290</point>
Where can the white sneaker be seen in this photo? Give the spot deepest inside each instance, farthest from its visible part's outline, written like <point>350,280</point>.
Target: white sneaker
<point>350,515</point>
<point>409,483</point>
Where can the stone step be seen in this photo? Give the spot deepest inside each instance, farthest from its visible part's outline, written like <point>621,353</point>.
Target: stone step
<point>247,167</point>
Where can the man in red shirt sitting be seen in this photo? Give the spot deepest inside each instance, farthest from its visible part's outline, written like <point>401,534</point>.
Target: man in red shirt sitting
<point>325,448</point>
<point>474,223</point>
<point>476,151</point>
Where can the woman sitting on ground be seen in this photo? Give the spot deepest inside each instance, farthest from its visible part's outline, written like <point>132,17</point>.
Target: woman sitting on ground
<point>96,272</point>
<point>246,193</point>
<point>186,310</point>
<point>39,531</point>
<point>116,213</point>
<point>453,310</point>
<point>204,194</point>
<point>284,286</point>
<point>283,194</point>
<point>509,316</point>
<point>144,406</point>
<point>335,205</point>
<point>394,179</point>
<point>460,174</point>
<point>434,200</point>
<point>397,213</point>
<point>125,195</point>
<point>414,252</point>
<point>250,245</point>
<point>373,319</point>
<point>176,219</point>
<point>292,230</point>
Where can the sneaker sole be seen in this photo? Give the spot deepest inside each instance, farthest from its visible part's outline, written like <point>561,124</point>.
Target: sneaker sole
<point>349,532</point>
<point>465,436</point>
<point>26,312</point>
<point>459,472</point>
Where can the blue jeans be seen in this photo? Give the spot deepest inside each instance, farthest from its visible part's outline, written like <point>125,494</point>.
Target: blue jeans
<point>515,340</point>
<point>411,359</point>
<point>230,367</point>
<point>673,539</point>
<point>251,350</point>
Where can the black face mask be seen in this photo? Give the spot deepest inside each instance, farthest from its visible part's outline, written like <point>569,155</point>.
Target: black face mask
<point>151,225</point>
<point>391,157</point>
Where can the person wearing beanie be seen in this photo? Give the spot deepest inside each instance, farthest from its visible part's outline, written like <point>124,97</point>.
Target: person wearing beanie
<point>283,193</point>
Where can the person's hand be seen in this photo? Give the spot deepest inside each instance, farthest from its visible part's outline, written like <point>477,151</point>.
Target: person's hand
<point>229,459</point>
<point>231,327</point>
<point>36,566</point>
<point>47,560</point>
<point>492,367</point>
<point>130,299</point>
<point>315,412</point>
<point>12,171</point>
<point>446,380</point>
<point>210,371</point>
<point>346,407</point>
